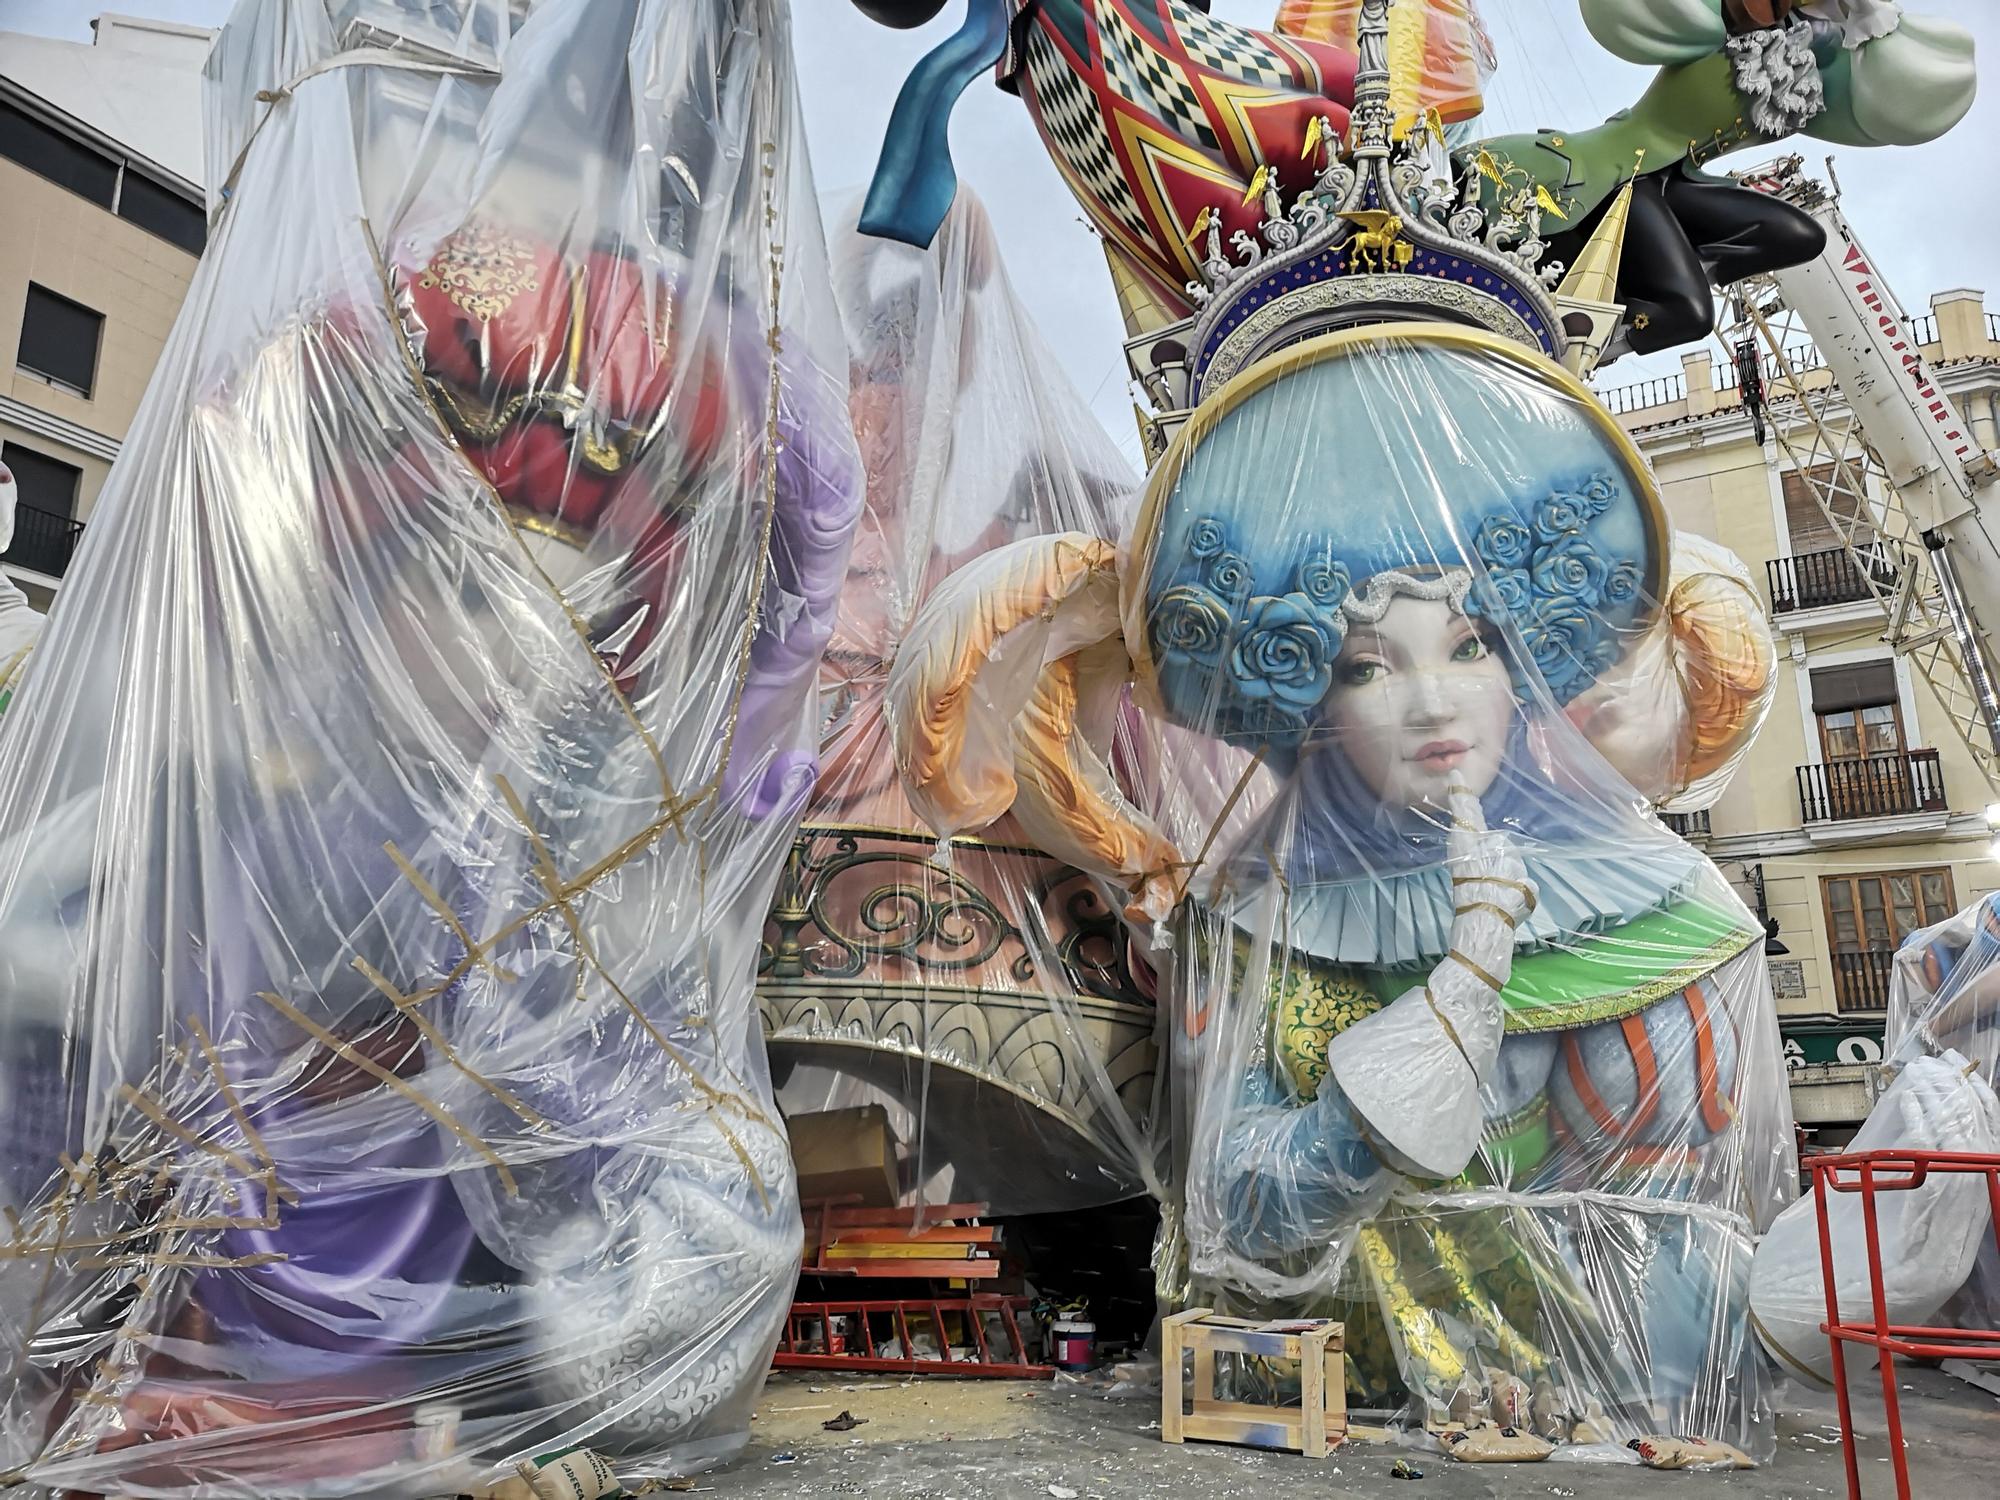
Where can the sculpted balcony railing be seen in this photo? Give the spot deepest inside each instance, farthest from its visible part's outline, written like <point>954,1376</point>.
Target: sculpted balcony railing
<point>1861,980</point>
<point>1871,786</point>
<point>1692,826</point>
<point>1813,580</point>
<point>44,540</point>
<point>1002,983</point>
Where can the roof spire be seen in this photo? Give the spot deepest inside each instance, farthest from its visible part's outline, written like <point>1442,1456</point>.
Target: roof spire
<point>1594,277</point>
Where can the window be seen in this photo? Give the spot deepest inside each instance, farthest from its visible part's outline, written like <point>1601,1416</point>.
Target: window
<point>43,483</point>
<point>1857,709</point>
<point>164,212</point>
<point>1867,919</point>
<point>1855,732</point>
<point>1810,529</point>
<point>46,151</point>
<point>59,341</point>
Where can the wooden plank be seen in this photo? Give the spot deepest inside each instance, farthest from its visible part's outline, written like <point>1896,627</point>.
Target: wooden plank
<point>1251,1426</point>
<point>972,1234</point>
<point>942,1270</point>
<point>923,1250</point>
<point>890,1218</point>
<point>1171,1347</point>
<point>1253,1341</point>
<point>1312,1395</point>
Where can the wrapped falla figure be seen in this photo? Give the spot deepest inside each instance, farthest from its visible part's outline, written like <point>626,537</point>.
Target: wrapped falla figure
<point>1472,1052</point>
<point>389,819</point>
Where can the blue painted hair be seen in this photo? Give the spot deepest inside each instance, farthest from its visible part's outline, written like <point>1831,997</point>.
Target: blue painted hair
<point>1404,455</point>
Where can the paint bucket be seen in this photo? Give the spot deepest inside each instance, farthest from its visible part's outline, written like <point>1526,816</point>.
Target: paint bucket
<point>1074,1341</point>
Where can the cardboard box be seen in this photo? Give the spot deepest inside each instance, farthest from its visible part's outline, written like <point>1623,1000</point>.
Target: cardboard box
<point>844,1153</point>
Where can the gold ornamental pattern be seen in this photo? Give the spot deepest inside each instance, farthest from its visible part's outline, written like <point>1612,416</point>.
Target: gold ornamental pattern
<point>482,269</point>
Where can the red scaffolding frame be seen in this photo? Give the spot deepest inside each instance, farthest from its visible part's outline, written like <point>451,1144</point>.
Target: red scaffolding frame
<point>808,1343</point>
<point>1869,1173</point>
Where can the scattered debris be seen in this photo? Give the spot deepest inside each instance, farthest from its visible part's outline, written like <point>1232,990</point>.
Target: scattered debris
<point>845,1422</point>
<point>784,1458</point>
<point>1404,1469</point>
<point>1062,1493</point>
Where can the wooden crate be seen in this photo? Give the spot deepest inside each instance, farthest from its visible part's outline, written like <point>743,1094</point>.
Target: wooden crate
<point>1314,1427</point>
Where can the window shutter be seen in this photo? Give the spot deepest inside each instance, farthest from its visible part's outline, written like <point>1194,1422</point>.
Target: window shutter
<point>1865,685</point>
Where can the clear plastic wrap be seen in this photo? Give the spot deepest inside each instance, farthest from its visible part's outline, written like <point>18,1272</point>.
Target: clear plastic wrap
<point>1440,49</point>
<point>986,995</point>
<point>1931,1236</point>
<point>20,621</point>
<point>392,805</point>
<point>1470,1051</point>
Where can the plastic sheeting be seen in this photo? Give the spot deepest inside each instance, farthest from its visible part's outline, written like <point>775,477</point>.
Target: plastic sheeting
<point>392,806</point>
<point>1470,1051</point>
<point>1930,1236</point>
<point>1942,1050</point>
<point>990,999</point>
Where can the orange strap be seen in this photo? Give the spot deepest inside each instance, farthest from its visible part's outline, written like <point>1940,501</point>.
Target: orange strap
<point>1648,1069</point>
<point>1714,1107</point>
<point>1579,1076</point>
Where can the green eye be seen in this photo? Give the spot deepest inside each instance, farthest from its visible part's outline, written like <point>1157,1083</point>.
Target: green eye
<point>1469,649</point>
<point>1361,672</point>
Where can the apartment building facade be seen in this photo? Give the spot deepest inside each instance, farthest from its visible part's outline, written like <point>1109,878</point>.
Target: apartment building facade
<point>1859,814</point>
<point>101,226</point>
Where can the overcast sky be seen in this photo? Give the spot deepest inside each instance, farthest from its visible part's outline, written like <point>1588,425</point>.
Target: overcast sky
<point>1930,215</point>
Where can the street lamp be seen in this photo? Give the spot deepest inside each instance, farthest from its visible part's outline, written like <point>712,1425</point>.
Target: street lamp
<point>1754,875</point>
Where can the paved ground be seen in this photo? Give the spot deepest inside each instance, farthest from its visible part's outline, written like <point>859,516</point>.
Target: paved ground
<point>970,1440</point>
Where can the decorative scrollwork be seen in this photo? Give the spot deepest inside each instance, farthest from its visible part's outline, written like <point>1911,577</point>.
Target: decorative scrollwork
<point>928,918</point>
<point>1248,252</point>
<point>1091,943</point>
<point>928,924</point>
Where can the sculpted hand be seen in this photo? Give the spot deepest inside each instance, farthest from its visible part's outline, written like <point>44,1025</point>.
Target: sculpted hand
<point>1485,867</point>
<point>1412,1071</point>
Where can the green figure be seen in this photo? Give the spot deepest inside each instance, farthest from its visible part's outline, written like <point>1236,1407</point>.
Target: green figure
<point>1733,74</point>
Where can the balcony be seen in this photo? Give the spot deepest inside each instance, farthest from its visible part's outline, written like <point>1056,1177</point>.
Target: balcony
<point>1814,580</point>
<point>1861,980</point>
<point>1871,786</point>
<point>1692,826</point>
<point>44,541</point>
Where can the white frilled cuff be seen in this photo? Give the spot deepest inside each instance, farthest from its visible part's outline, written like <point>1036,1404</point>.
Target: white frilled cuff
<point>1408,1078</point>
<point>1859,20</point>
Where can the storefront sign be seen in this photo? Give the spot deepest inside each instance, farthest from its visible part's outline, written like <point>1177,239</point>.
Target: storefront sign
<point>1838,1045</point>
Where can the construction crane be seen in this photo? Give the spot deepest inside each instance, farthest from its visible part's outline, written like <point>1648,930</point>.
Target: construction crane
<point>1826,351</point>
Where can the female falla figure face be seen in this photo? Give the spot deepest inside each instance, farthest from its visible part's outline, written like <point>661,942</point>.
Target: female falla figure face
<point>1420,700</point>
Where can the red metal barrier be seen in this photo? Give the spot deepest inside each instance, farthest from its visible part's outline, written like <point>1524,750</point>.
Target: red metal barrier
<point>1869,1173</point>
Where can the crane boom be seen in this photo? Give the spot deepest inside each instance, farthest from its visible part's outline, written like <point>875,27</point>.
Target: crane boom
<point>1877,410</point>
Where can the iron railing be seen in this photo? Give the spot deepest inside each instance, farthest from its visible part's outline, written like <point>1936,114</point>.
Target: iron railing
<point>1861,980</point>
<point>44,540</point>
<point>1663,390</point>
<point>1644,394</point>
<point>1871,786</point>
<point>1812,580</point>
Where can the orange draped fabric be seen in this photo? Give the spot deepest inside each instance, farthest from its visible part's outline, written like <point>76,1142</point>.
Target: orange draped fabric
<point>1455,50</point>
